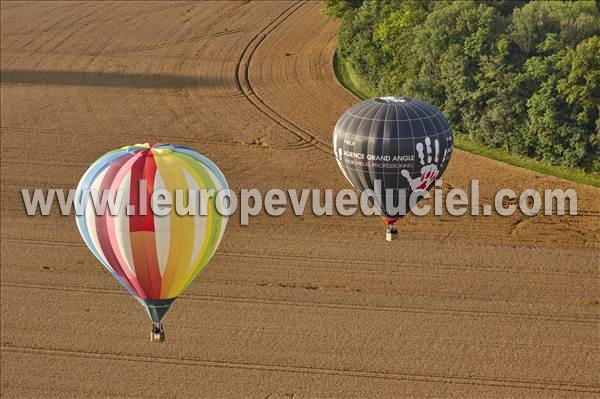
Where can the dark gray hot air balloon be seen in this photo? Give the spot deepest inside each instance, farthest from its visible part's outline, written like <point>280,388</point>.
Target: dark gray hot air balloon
<point>403,143</point>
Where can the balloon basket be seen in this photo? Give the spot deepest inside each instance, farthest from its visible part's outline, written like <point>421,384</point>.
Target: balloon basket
<point>391,233</point>
<point>158,333</point>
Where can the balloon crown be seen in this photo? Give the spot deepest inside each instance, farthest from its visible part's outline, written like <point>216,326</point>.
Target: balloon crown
<point>157,148</point>
<point>393,99</point>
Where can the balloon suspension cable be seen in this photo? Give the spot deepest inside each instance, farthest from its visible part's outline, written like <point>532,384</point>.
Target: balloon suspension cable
<point>158,333</point>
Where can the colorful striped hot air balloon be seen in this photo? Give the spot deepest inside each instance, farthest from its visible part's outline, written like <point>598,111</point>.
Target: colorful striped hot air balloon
<point>154,257</point>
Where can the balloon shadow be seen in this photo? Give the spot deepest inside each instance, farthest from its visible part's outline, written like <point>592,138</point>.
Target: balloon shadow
<point>104,79</point>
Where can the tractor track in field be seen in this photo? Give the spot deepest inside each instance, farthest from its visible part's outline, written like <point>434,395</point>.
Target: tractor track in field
<point>151,137</point>
<point>123,17</point>
<point>244,84</point>
<point>391,267</point>
<point>179,361</point>
<point>311,304</point>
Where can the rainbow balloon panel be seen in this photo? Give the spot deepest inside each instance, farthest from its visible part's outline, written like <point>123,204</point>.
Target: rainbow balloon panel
<point>154,257</point>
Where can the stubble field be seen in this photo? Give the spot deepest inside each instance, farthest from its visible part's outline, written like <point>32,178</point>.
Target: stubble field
<point>289,307</point>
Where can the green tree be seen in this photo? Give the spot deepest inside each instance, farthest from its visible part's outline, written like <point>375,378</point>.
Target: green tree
<point>522,76</point>
<point>564,112</point>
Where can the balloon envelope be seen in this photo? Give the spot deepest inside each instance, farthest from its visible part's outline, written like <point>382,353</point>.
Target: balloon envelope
<point>403,143</point>
<point>154,257</point>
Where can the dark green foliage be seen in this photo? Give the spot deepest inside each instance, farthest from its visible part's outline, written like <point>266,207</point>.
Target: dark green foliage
<point>522,76</point>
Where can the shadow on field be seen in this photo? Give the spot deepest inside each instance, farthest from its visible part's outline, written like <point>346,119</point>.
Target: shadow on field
<point>103,79</point>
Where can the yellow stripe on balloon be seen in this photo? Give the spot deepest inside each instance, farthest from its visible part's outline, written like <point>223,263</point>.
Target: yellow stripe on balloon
<point>183,271</point>
<point>180,242</point>
<point>212,233</point>
<point>204,181</point>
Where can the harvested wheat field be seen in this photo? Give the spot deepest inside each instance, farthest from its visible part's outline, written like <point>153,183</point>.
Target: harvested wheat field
<point>289,307</point>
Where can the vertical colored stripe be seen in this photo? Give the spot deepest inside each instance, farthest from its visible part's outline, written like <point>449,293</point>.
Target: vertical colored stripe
<point>213,221</point>
<point>102,229</point>
<point>143,245</point>
<point>182,227</point>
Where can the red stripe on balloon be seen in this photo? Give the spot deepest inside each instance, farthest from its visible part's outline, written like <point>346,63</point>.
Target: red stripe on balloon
<point>102,225</point>
<point>141,227</point>
<point>149,176</point>
<point>135,199</point>
<point>111,227</point>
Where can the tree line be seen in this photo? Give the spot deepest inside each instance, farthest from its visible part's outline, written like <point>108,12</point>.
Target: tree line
<point>522,76</point>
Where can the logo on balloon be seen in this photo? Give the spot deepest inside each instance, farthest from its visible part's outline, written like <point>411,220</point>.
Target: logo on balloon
<point>429,171</point>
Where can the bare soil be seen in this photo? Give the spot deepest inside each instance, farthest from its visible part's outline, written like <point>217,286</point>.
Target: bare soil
<point>290,307</point>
